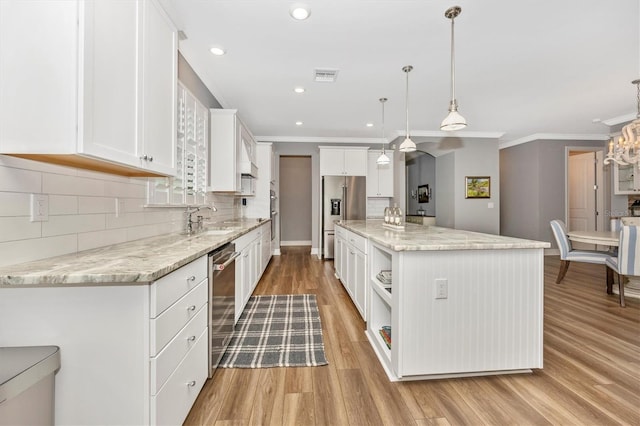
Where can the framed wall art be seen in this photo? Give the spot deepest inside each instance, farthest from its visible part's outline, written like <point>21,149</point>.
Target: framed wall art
<point>477,187</point>
<point>423,193</point>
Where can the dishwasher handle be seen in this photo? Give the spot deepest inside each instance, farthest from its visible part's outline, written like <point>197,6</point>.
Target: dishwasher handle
<point>221,266</point>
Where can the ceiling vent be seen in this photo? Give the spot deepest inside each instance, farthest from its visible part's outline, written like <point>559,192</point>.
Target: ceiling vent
<point>325,75</point>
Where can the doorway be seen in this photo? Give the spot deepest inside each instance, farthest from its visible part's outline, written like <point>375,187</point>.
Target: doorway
<point>585,190</point>
<point>295,200</point>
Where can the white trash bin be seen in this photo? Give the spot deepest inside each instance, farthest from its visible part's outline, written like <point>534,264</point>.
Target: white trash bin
<point>27,384</point>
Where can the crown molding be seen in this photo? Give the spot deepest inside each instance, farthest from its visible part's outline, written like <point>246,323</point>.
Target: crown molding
<point>555,136</point>
<point>318,139</point>
<point>619,120</point>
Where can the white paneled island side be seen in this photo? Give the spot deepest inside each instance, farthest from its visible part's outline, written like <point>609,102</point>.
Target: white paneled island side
<point>459,303</point>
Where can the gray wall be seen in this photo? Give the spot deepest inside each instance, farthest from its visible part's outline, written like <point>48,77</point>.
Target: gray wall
<point>453,210</point>
<point>533,185</point>
<point>445,192</point>
<point>421,171</point>
<point>478,158</point>
<point>295,198</point>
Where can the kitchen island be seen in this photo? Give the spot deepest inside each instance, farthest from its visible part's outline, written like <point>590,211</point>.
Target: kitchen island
<point>459,303</point>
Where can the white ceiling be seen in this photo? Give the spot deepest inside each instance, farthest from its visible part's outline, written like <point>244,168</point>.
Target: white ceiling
<point>523,68</point>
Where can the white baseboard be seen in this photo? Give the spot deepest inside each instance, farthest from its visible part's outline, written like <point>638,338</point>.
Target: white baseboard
<point>314,250</point>
<point>276,252</point>
<point>295,243</point>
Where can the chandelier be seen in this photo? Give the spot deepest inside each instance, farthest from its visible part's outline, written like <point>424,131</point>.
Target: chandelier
<point>627,150</point>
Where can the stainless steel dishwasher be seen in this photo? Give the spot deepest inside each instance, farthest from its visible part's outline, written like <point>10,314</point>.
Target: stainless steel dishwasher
<point>222,297</point>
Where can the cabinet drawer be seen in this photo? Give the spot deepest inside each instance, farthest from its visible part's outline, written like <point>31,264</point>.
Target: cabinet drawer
<point>172,404</point>
<point>340,232</point>
<point>167,325</point>
<point>358,241</point>
<point>173,286</point>
<point>168,359</point>
<point>243,241</point>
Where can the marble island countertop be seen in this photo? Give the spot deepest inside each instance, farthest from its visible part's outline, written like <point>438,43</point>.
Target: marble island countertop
<point>135,262</point>
<point>420,237</point>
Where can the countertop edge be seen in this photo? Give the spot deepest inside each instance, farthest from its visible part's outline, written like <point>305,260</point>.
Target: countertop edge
<point>516,243</point>
<point>143,276</point>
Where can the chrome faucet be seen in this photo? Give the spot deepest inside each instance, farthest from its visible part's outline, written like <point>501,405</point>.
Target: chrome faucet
<point>200,219</point>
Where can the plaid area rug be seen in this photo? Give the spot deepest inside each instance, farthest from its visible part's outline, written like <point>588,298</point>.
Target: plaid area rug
<point>277,331</point>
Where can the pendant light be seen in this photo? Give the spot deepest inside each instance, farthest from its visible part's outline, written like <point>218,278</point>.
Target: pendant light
<point>453,121</point>
<point>383,158</point>
<point>407,145</point>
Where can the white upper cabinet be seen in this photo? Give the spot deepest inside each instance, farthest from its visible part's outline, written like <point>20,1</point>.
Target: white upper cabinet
<point>159,78</point>
<point>348,161</point>
<point>102,77</point>
<point>626,179</point>
<point>379,176</point>
<point>233,151</point>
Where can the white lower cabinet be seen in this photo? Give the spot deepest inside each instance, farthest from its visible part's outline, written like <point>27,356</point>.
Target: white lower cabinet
<point>248,267</point>
<point>130,354</point>
<point>266,247</point>
<point>350,261</point>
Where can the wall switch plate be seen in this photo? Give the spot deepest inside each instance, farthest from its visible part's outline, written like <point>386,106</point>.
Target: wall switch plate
<point>39,207</point>
<point>490,205</point>
<point>119,207</point>
<point>442,288</point>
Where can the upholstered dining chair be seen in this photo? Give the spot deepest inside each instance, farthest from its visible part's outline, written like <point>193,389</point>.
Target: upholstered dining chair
<point>627,263</point>
<point>568,254</point>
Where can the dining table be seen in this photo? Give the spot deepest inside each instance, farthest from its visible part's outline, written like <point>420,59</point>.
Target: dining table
<point>602,238</point>
<point>611,239</point>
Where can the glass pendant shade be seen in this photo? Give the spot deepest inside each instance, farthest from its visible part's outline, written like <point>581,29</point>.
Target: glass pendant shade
<point>383,158</point>
<point>453,121</point>
<point>407,144</point>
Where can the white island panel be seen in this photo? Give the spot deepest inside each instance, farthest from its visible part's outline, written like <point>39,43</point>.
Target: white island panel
<point>491,319</point>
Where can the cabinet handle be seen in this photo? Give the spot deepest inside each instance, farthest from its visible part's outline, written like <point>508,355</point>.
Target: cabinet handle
<point>191,278</point>
<point>191,383</point>
<point>191,338</point>
<point>191,308</point>
<point>150,158</point>
<point>144,157</point>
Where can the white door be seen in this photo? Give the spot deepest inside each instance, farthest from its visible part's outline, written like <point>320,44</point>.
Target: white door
<point>584,195</point>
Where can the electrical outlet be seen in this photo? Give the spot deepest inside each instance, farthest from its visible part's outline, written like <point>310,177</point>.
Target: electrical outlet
<point>442,288</point>
<point>39,207</point>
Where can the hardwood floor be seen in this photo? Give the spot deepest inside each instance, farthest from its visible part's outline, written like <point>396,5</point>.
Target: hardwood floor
<point>591,372</point>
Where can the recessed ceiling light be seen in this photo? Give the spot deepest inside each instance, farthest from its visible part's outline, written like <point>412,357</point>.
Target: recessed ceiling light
<point>299,90</point>
<point>298,123</point>
<point>369,124</point>
<point>218,51</point>
<point>299,11</point>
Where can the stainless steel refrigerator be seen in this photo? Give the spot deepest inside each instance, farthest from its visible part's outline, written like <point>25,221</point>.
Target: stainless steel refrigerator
<point>343,198</point>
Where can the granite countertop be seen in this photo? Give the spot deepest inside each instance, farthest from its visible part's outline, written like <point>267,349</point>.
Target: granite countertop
<point>135,262</point>
<point>420,237</point>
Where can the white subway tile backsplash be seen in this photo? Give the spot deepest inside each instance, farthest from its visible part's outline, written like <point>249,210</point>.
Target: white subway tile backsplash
<point>15,204</point>
<point>82,210</point>
<point>90,240</point>
<point>19,180</point>
<point>72,224</point>
<point>13,252</point>
<point>71,185</point>
<point>63,204</point>
<point>18,228</point>
<point>88,205</point>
